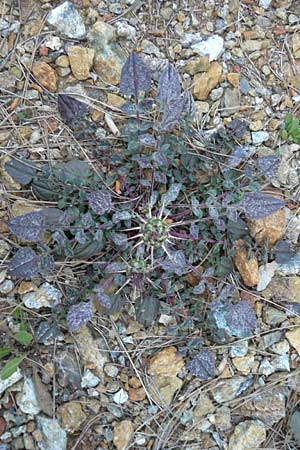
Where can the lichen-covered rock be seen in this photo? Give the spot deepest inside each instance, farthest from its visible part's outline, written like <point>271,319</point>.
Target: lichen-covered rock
<point>66,19</point>
<point>247,435</point>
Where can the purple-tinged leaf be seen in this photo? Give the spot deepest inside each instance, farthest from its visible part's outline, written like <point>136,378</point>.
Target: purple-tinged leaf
<point>120,239</point>
<point>147,309</point>
<point>115,267</point>
<point>21,171</point>
<point>168,85</point>
<point>160,177</point>
<point>80,237</point>
<point>284,252</point>
<point>148,140</point>
<point>238,128</point>
<point>70,109</point>
<point>104,300</point>
<point>79,315</point>
<point>100,202</point>
<point>121,215</point>
<point>257,205</point>
<point>160,159</point>
<point>144,162</point>
<point>240,154</point>
<point>188,107</point>
<point>200,288</point>
<point>203,365</point>
<point>268,165</point>
<point>135,76</point>
<point>171,194</point>
<point>29,227</point>
<point>87,220</point>
<point>24,264</point>
<point>171,114</point>
<point>175,263</point>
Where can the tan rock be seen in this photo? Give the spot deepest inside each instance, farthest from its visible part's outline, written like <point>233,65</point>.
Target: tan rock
<point>247,435</point>
<point>97,115</point>
<point>244,364</point>
<point>163,388</point>
<point>205,82</point>
<point>71,416</point>
<point>115,100</point>
<point>234,79</point>
<point>203,407</point>
<point>81,61</point>
<point>123,432</point>
<point>166,363</point>
<point>251,45</point>
<point>108,53</point>
<point>296,42</point>
<point>90,352</point>
<point>282,289</point>
<point>26,286</point>
<point>21,207</point>
<point>45,75</point>
<point>108,68</point>
<point>293,337</point>
<point>248,268</point>
<point>136,395</point>
<point>196,65</point>
<point>270,229</point>
<point>4,136</point>
<point>62,61</point>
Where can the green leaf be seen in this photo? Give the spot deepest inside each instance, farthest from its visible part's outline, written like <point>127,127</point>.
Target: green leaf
<point>18,313</point>
<point>11,367</point>
<point>4,352</point>
<point>23,337</point>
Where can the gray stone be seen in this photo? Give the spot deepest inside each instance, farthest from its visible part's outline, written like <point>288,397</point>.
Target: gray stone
<point>47,332</point>
<point>54,437</point>
<point>290,268</point>
<point>265,3</point>
<point>46,296</point>
<point>269,406</point>
<point>14,378</point>
<point>248,435</point>
<point>125,30</point>
<point>111,370</point>
<point>216,94</point>
<point>6,287</point>
<point>231,102</point>
<point>66,19</point>
<point>244,86</point>
<point>266,273</point>
<point>258,137</point>
<point>239,349</point>
<point>269,339</point>
<point>26,399</point>
<point>89,380</point>
<point>227,390</point>
<point>68,371</point>
<point>213,46</point>
<point>120,397</point>
<point>273,316</point>
<point>4,248</point>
